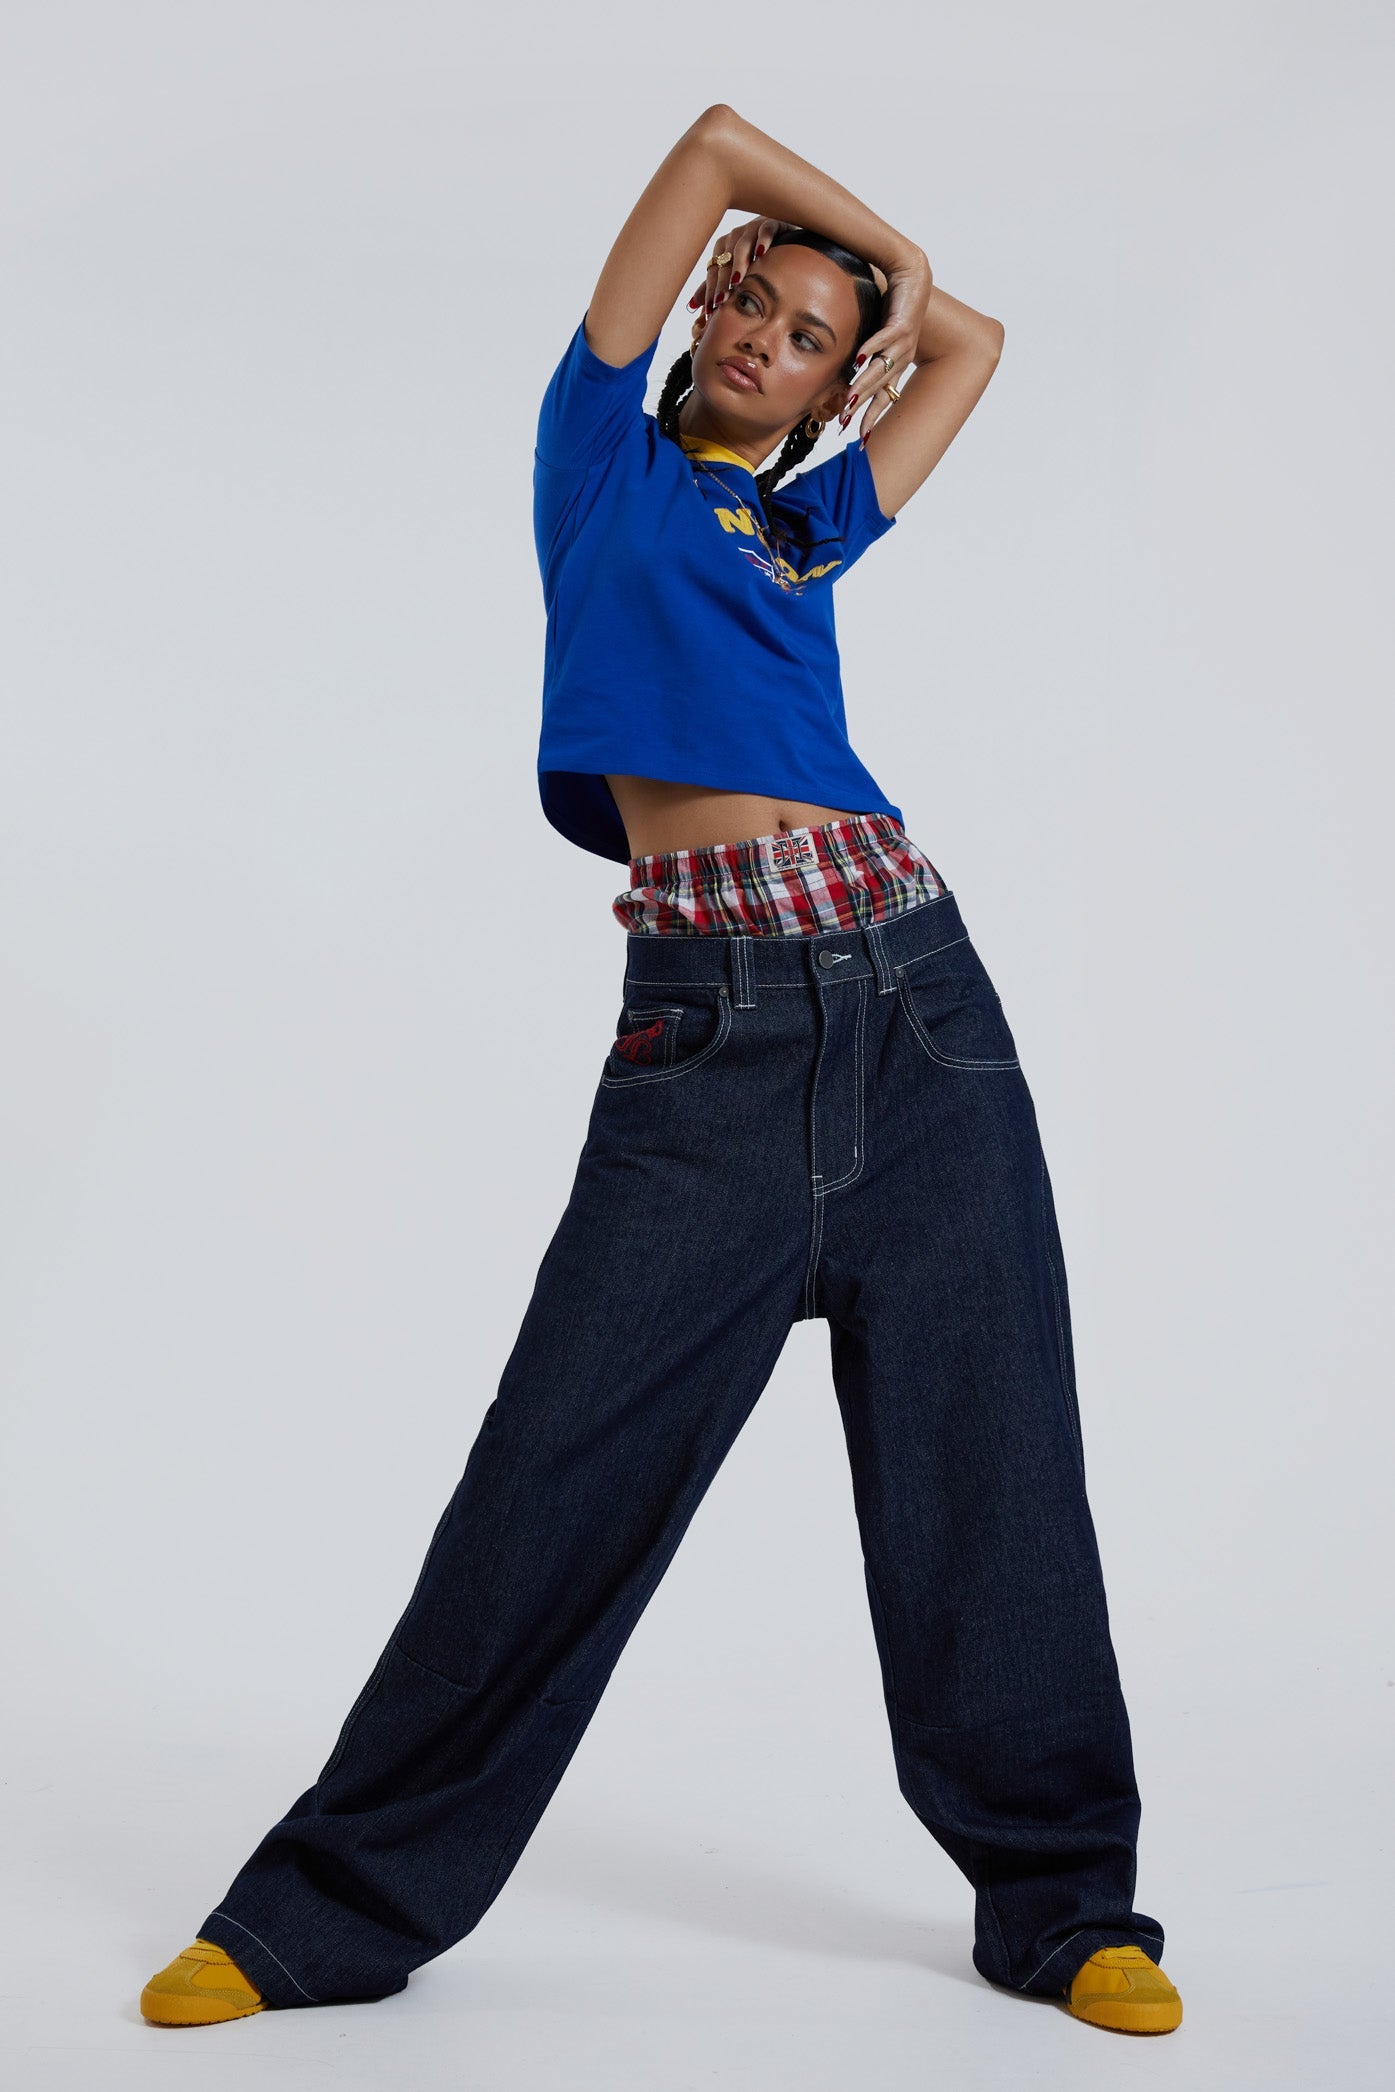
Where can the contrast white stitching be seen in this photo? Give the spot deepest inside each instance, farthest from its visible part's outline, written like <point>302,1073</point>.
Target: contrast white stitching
<point>859,1145</point>
<point>230,1920</point>
<point>814,1247</point>
<point>1080,1933</point>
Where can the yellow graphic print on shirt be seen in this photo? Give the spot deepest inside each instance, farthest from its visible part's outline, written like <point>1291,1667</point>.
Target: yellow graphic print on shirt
<point>740,523</point>
<point>742,520</point>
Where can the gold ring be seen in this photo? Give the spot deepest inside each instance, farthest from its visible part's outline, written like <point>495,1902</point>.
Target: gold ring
<point>719,261</point>
<point>890,390</point>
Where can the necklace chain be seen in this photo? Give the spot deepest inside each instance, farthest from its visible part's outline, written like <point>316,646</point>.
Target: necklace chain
<point>741,503</point>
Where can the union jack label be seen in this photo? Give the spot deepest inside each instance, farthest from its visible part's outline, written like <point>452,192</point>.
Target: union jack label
<point>784,852</point>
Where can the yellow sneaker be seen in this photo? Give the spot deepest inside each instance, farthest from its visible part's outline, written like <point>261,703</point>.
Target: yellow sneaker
<point>1120,1987</point>
<point>199,1986</point>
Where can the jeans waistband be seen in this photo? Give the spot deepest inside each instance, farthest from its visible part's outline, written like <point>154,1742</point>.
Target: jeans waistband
<point>745,966</point>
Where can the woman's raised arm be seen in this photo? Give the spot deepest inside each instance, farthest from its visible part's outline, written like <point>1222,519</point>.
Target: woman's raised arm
<point>721,163</point>
<point>955,353</point>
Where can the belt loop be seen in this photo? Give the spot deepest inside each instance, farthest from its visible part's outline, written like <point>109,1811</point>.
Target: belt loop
<point>886,978</point>
<point>743,977</point>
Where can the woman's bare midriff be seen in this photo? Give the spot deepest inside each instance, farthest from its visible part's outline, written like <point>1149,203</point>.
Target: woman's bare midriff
<point>660,816</point>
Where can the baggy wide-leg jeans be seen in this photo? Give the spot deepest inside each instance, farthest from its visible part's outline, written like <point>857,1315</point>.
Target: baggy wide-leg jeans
<point>837,1126</point>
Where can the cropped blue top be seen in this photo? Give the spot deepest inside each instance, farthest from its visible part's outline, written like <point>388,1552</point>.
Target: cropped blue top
<point>672,650</point>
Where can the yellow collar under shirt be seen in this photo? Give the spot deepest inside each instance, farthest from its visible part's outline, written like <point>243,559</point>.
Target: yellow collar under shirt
<point>704,447</point>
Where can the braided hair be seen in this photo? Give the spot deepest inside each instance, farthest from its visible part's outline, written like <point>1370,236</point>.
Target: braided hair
<point>799,441</point>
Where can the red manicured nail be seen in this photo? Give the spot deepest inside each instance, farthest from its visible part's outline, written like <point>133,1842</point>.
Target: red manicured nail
<point>858,362</point>
<point>736,276</point>
<point>851,403</point>
<point>695,300</point>
<point>760,250</point>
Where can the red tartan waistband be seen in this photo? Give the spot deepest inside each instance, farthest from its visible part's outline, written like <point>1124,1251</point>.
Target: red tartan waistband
<point>793,883</point>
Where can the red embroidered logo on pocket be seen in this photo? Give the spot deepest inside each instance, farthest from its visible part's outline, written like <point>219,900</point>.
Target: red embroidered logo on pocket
<point>641,1045</point>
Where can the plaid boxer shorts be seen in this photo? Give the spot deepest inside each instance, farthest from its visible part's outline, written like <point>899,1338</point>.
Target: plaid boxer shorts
<point>796,883</point>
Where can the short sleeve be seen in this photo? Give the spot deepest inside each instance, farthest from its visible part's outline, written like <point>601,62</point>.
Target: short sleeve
<point>843,488</point>
<point>589,404</point>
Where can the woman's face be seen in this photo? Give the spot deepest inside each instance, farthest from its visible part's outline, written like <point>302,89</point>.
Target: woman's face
<point>791,322</point>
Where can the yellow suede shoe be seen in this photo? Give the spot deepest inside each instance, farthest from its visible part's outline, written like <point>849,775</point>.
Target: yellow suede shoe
<point>1119,1987</point>
<point>200,1985</point>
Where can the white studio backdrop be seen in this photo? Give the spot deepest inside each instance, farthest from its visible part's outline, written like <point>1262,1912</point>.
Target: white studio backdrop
<point>288,1117</point>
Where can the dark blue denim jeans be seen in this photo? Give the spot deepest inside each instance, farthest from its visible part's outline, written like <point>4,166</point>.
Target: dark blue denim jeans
<point>837,1126</point>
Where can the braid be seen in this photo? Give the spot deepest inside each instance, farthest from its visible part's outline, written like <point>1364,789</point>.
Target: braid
<point>797,446</point>
<point>677,386</point>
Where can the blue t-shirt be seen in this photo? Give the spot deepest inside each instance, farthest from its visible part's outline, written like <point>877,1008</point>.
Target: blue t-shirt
<point>671,650</point>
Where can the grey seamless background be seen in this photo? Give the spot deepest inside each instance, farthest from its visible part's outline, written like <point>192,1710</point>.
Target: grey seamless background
<point>291,1104</point>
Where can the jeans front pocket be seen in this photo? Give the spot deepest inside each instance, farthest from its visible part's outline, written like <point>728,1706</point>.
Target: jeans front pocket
<point>954,1010</point>
<point>657,1040</point>
<point>648,1034</point>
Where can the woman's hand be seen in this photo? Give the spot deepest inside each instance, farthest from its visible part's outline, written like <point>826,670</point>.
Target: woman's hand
<point>745,244</point>
<point>905,293</point>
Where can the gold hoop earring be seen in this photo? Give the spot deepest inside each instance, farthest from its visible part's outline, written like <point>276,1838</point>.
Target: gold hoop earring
<point>813,429</point>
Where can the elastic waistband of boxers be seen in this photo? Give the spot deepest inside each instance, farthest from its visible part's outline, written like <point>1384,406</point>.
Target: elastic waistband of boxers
<point>746,965</point>
<point>834,846</point>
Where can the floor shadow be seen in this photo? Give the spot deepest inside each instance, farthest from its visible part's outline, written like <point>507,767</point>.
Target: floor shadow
<point>741,1896</point>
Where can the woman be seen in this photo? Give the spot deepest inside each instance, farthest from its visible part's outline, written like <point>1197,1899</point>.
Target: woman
<point>812,1107</point>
